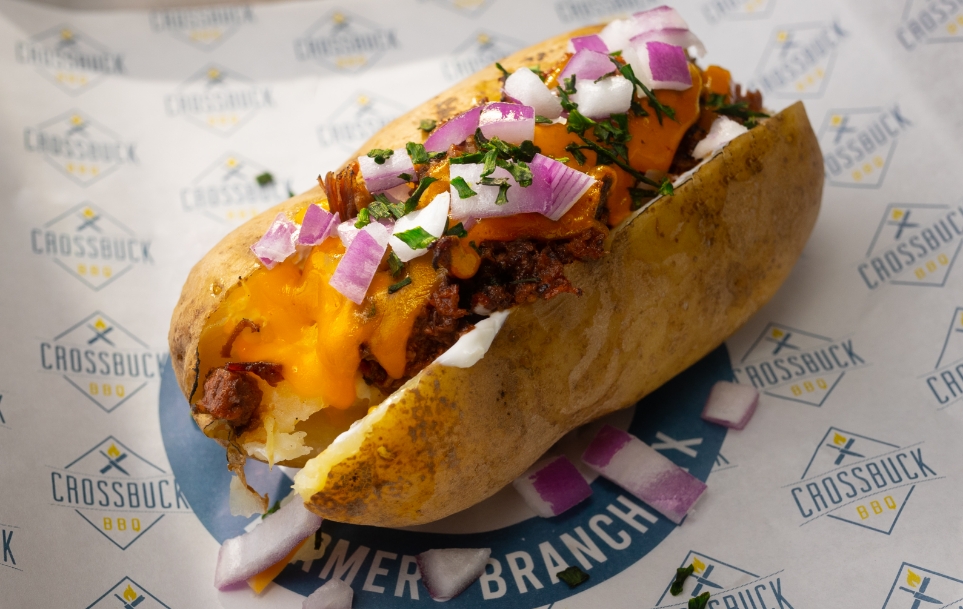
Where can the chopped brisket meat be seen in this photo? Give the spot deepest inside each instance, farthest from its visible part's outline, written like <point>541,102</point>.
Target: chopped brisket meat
<point>271,373</point>
<point>240,327</point>
<point>231,396</point>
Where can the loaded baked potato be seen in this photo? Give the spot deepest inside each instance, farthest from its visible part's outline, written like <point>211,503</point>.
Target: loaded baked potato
<point>638,279</point>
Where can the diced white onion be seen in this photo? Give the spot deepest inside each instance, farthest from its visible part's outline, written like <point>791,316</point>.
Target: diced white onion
<point>378,178</point>
<point>723,131</point>
<point>612,95</point>
<point>334,594</point>
<point>431,218</point>
<point>447,573</point>
<point>529,90</point>
<point>731,404</point>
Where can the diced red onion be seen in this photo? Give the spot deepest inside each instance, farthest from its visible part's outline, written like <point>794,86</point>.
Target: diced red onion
<point>335,594</point>
<point>659,65</point>
<point>533,198</point>
<point>675,36</point>
<point>604,98</point>
<point>447,573</point>
<point>474,344</point>
<point>277,243</point>
<point>360,262</point>
<point>586,65</point>
<point>525,87</point>
<point>644,472</point>
<point>453,131</point>
<point>731,404</point>
<point>592,43</point>
<point>249,554</point>
<point>378,178</point>
<point>347,231</point>
<point>513,123</point>
<point>431,218</point>
<point>566,185</point>
<point>317,225</point>
<point>659,18</point>
<point>552,486</point>
<point>723,131</point>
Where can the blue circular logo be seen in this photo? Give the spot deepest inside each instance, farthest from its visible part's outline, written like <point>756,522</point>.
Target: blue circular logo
<point>603,535</point>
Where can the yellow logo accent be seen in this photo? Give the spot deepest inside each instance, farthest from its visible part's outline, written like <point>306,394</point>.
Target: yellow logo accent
<point>213,74</point>
<point>113,452</point>
<point>232,162</point>
<point>912,579</point>
<point>777,333</point>
<point>363,100</point>
<point>897,214</point>
<point>76,119</point>
<point>89,213</point>
<point>129,594</point>
<point>961,319</point>
<point>100,325</point>
<point>484,39</point>
<point>782,36</point>
<point>836,120</point>
<point>66,34</point>
<point>698,565</point>
<point>839,439</point>
<point>339,18</point>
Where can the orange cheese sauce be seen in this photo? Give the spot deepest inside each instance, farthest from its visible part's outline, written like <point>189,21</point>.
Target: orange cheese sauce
<point>316,334</point>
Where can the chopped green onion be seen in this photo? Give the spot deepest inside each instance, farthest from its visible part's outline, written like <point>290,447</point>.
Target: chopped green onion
<point>364,218</point>
<point>501,69</point>
<point>699,602</point>
<point>397,286</point>
<point>457,230</point>
<point>542,120</point>
<point>680,577</point>
<point>418,153</point>
<point>427,124</point>
<point>395,265</point>
<point>265,178</point>
<point>416,238</point>
<point>380,155</point>
<point>573,576</point>
<point>274,508</point>
<point>464,190</point>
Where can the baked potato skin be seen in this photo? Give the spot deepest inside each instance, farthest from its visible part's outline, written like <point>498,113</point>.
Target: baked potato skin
<point>680,277</point>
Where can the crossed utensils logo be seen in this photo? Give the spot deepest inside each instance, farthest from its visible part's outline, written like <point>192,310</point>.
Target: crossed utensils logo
<point>916,587</point>
<point>358,118</point>
<point>69,58</point>
<point>344,42</point>
<point>127,594</point>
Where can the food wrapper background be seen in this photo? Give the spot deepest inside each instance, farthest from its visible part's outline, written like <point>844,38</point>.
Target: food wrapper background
<point>94,254</point>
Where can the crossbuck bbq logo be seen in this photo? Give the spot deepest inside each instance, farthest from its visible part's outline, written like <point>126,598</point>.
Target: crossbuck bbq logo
<point>915,245</point>
<point>593,11</point>
<point>205,27</point>
<point>929,22</point>
<point>799,59</point>
<point>80,148</point>
<point>466,7</point>
<point>344,42</point>
<point>91,245</point>
<point>102,360</point>
<point>116,491</point>
<point>859,480</point>
<point>718,10</point>
<point>8,559</point>
<point>218,99</point>
<point>945,383</point>
<point>728,585</point>
<point>69,58</point>
<point>357,119</point>
<point>127,594</point>
<point>233,189</point>
<point>795,365</point>
<point>476,52</point>
<point>918,588</point>
<point>858,144</point>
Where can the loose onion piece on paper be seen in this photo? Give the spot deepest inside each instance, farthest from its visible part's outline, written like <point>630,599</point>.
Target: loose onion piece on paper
<point>248,554</point>
<point>335,594</point>
<point>552,486</point>
<point>641,470</point>
<point>447,573</point>
<point>731,404</point>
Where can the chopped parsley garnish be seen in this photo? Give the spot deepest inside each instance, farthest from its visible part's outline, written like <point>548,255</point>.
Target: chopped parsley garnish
<point>717,103</point>
<point>542,120</point>
<point>265,178</point>
<point>274,508</point>
<point>680,577</point>
<point>395,265</point>
<point>416,238</point>
<point>503,186</point>
<point>519,170</point>
<point>501,68</point>
<point>699,602</point>
<point>394,287</point>
<point>464,190</point>
<point>467,159</point>
<point>665,187</point>
<point>405,176</point>
<point>427,124</point>
<point>568,85</point>
<point>380,155</point>
<point>615,53</point>
<point>364,218</point>
<point>573,576</point>
<point>411,203</point>
<point>457,230</point>
<point>419,155</point>
<point>659,107</point>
